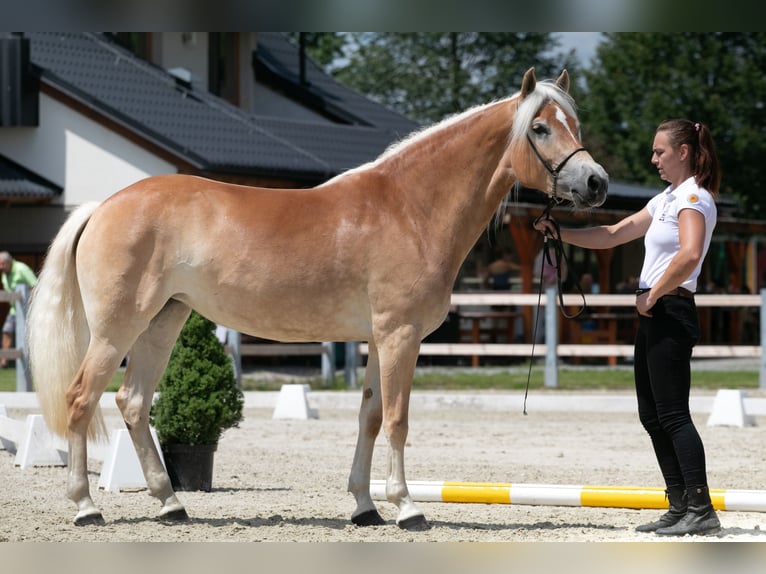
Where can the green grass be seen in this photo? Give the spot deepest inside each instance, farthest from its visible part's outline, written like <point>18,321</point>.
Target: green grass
<point>570,379</point>
<point>495,378</point>
<point>515,379</point>
<point>8,380</point>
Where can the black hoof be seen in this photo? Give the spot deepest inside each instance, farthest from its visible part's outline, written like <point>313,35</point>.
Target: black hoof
<point>175,516</point>
<point>90,520</point>
<point>414,523</point>
<point>369,518</point>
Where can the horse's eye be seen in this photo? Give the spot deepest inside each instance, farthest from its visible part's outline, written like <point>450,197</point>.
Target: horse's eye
<point>540,129</point>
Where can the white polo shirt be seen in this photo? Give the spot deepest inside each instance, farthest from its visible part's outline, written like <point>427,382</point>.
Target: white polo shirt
<point>661,240</point>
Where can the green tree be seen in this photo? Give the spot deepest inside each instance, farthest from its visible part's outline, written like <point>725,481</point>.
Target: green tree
<point>325,48</point>
<point>198,395</point>
<point>429,75</point>
<point>641,79</point>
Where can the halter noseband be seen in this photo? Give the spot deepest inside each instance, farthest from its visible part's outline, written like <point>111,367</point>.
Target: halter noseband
<point>554,171</point>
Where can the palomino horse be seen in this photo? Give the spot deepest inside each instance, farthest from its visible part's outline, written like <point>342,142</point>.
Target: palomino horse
<point>371,255</point>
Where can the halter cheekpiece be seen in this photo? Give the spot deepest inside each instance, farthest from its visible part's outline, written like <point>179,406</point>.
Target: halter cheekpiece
<point>554,171</point>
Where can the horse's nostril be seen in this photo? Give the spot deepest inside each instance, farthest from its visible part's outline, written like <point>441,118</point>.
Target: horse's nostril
<point>596,184</point>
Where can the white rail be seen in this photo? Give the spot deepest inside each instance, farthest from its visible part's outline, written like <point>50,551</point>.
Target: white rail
<point>552,350</point>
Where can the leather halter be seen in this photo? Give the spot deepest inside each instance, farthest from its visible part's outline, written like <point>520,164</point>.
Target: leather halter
<point>554,171</point>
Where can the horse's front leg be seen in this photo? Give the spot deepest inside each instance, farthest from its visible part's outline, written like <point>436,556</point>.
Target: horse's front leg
<point>370,418</point>
<point>398,356</point>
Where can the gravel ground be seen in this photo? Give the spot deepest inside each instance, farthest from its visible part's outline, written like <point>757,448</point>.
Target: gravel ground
<point>285,480</point>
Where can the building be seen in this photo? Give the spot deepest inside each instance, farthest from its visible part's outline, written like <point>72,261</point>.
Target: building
<point>87,115</point>
<point>83,115</point>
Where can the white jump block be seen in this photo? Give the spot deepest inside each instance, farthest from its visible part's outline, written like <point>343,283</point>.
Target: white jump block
<point>31,441</point>
<point>122,470</point>
<point>729,410</point>
<point>38,447</point>
<point>292,403</point>
<point>10,430</point>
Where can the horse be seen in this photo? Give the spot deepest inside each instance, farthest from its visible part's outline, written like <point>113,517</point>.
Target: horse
<point>369,255</point>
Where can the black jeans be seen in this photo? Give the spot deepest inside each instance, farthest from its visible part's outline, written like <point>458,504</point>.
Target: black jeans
<point>662,372</point>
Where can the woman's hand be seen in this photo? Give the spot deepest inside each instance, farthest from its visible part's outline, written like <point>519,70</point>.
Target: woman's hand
<point>644,304</point>
<point>547,226</point>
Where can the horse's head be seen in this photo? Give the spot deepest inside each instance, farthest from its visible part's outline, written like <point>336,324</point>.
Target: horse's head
<point>546,152</point>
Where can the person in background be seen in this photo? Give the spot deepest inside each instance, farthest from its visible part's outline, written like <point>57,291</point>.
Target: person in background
<point>501,270</point>
<point>586,283</point>
<point>677,226</point>
<point>14,273</point>
<point>629,285</point>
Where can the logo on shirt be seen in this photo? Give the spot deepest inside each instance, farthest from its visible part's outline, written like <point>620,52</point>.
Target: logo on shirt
<point>693,198</point>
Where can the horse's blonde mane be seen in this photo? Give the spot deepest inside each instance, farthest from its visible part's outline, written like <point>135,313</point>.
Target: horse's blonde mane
<point>544,90</point>
<point>425,132</point>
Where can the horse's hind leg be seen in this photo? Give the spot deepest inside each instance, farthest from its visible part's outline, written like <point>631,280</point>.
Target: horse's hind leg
<point>100,363</point>
<point>370,418</point>
<point>148,359</point>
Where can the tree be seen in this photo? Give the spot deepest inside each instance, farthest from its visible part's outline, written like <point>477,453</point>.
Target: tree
<point>641,79</point>
<point>325,48</point>
<point>198,395</point>
<point>428,76</point>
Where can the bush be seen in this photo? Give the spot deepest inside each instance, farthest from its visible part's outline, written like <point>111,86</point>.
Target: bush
<point>198,395</point>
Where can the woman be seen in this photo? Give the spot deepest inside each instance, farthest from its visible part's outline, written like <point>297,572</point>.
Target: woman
<point>677,225</point>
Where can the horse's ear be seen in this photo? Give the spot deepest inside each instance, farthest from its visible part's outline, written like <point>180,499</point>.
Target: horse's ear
<point>563,81</point>
<point>528,83</point>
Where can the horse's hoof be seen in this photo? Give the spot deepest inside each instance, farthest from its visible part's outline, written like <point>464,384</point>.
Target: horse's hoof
<point>177,515</point>
<point>94,519</point>
<point>369,518</point>
<point>415,523</point>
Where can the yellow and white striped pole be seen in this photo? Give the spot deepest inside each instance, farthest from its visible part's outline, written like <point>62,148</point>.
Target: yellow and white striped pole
<point>564,495</point>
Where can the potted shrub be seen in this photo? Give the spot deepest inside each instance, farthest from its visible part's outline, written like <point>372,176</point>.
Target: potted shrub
<point>198,399</point>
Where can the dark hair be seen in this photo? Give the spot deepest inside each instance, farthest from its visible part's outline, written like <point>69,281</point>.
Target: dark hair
<point>696,135</point>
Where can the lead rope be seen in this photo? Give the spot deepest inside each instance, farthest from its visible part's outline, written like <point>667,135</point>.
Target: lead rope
<point>559,256</point>
<point>558,252</point>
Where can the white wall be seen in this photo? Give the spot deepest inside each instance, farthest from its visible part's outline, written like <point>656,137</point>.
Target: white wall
<point>89,161</point>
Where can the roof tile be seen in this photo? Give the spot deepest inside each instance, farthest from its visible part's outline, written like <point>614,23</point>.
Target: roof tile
<point>205,130</point>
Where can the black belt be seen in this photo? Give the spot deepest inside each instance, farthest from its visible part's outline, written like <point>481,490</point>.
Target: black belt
<point>678,291</point>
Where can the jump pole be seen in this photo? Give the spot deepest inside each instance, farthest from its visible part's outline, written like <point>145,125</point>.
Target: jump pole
<point>635,497</point>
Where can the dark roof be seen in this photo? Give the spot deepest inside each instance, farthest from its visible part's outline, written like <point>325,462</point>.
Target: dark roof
<point>202,129</point>
<point>277,62</point>
<point>21,185</point>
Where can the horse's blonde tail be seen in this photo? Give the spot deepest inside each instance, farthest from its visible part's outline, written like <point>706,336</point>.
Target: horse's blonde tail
<point>57,331</point>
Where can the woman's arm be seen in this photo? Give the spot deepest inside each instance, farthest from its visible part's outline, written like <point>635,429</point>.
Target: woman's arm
<point>601,236</point>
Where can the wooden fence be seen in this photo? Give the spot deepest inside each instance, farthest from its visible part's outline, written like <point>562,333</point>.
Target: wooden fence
<point>551,349</point>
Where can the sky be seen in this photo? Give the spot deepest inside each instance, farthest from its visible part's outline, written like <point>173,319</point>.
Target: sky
<point>583,42</point>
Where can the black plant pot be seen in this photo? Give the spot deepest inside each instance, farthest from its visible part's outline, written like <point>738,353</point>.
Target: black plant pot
<point>190,467</point>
